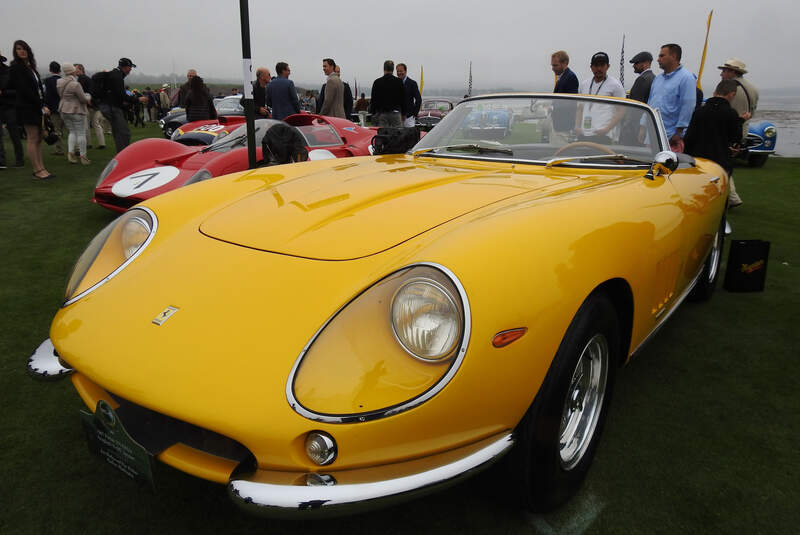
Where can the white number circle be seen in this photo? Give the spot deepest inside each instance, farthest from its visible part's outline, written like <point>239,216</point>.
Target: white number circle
<point>145,180</point>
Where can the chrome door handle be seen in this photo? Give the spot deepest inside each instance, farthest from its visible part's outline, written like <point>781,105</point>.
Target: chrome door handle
<point>714,179</point>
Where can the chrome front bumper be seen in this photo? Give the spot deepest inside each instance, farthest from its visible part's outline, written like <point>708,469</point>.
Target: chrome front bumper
<point>44,363</point>
<point>280,494</point>
<point>300,494</point>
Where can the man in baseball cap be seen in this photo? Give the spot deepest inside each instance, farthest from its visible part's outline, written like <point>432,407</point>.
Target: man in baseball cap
<point>641,66</point>
<point>595,122</point>
<point>112,110</point>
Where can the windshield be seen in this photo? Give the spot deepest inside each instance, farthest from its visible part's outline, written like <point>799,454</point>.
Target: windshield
<point>440,105</point>
<point>540,129</point>
<point>229,104</point>
<point>320,135</point>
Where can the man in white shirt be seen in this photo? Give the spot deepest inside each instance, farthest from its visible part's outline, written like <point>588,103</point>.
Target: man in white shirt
<point>596,122</point>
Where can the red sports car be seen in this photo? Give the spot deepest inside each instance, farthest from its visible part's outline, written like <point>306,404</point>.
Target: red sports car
<point>153,166</point>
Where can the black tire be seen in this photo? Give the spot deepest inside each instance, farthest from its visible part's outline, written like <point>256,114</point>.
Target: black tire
<point>551,472</point>
<point>757,159</point>
<point>707,283</point>
<point>169,129</point>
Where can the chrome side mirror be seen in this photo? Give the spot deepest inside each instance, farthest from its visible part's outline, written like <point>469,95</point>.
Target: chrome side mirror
<point>664,164</point>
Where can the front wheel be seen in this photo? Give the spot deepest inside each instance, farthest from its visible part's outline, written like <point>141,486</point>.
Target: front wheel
<point>757,159</point>
<point>707,282</point>
<point>558,436</point>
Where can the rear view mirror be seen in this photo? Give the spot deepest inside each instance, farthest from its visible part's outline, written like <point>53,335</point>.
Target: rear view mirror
<point>664,163</point>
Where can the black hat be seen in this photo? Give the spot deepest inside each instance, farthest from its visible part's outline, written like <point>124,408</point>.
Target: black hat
<point>126,62</point>
<point>642,56</point>
<point>601,58</point>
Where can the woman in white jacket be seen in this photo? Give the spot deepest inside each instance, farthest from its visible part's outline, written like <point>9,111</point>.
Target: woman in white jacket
<point>73,109</point>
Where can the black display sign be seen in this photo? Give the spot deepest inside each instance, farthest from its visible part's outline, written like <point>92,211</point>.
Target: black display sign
<point>107,438</point>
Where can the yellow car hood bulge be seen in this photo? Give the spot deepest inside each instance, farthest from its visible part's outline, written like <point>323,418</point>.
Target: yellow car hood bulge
<point>349,211</point>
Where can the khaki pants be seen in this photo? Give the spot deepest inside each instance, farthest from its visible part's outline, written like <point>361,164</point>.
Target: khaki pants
<point>96,119</point>
<point>58,128</point>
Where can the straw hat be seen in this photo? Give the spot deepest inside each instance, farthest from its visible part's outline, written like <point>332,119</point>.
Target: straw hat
<point>735,64</point>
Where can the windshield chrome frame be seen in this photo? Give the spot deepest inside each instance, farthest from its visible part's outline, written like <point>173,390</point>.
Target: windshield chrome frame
<point>659,126</point>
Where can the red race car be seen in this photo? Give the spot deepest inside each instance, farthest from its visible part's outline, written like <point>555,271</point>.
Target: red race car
<point>208,131</point>
<point>153,166</point>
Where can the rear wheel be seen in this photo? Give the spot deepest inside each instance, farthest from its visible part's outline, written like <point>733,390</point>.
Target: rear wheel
<point>558,436</point>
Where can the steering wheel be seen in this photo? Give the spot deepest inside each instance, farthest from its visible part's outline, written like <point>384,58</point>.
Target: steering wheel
<point>588,144</point>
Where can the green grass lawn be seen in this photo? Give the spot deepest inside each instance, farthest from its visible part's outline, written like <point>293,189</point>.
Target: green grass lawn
<point>702,435</point>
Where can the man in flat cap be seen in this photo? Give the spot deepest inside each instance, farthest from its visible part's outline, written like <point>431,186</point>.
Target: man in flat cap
<point>641,66</point>
<point>744,102</point>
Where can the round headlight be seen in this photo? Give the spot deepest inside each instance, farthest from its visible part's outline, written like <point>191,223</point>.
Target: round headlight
<point>321,448</point>
<point>106,171</point>
<point>135,232</point>
<point>110,251</point>
<point>426,319</point>
<point>770,131</point>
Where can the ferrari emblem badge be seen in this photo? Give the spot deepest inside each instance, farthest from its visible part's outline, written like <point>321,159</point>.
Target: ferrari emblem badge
<point>165,315</point>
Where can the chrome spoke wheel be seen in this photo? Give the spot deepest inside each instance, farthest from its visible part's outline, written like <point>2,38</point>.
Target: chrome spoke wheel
<point>584,401</point>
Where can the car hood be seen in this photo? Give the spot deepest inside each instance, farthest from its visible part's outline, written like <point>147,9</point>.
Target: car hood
<point>352,210</point>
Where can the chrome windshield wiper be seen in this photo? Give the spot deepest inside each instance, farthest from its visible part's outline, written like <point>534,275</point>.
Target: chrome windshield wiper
<point>479,147</point>
<point>559,161</point>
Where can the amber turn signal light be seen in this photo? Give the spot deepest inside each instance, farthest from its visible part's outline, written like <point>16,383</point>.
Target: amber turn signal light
<point>503,338</point>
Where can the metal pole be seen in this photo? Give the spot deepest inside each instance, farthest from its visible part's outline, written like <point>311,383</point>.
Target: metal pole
<point>247,76</point>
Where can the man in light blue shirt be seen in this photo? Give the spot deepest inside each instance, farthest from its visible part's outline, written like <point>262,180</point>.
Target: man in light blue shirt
<point>673,94</point>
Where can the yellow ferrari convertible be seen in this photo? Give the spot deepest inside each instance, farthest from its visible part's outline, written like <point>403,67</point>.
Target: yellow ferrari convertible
<point>334,335</point>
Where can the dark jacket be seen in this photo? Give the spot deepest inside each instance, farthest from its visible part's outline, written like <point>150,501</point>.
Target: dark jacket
<point>199,106</point>
<point>321,97</point>
<point>387,95</point>
<point>28,85</point>
<point>282,98</point>
<point>115,85</point>
<point>51,98</point>
<point>347,101</point>
<point>567,82</point>
<point>8,93</point>
<point>641,87</point>
<point>260,98</point>
<point>413,98</point>
<point>714,128</point>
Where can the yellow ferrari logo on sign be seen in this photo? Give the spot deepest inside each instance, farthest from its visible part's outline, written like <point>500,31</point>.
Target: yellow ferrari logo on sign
<point>165,315</point>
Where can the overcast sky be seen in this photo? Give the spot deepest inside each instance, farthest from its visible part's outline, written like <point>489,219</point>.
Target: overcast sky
<point>508,41</point>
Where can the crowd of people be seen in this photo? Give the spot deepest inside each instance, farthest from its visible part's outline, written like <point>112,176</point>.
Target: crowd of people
<point>67,98</point>
<point>715,129</point>
<point>70,99</point>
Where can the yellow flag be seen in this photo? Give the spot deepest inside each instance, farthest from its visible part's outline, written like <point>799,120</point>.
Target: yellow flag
<point>421,80</point>
<point>705,48</point>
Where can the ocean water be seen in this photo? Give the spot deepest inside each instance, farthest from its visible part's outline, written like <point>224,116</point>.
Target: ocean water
<point>784,113</point>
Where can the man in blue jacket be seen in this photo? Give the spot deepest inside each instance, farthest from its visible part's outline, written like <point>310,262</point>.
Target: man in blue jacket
<point>563,114</point>
<point>566,80</point>
<point>281,94</point>
<point>413,97</point>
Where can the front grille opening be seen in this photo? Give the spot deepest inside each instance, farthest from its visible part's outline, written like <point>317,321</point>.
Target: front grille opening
<point>157,432</point>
